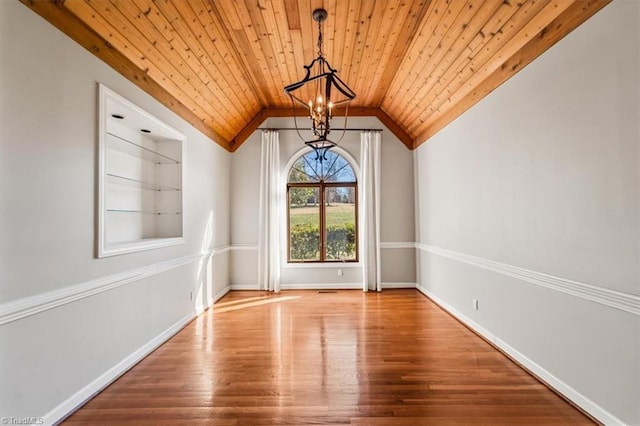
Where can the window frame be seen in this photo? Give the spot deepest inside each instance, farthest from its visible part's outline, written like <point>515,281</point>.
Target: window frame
<point>321,187</point>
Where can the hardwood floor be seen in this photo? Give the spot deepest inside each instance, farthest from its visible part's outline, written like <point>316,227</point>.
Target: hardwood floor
<point>304,357</point>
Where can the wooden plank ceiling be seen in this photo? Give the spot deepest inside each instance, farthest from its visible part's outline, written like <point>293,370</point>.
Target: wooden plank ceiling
<point>222,64</point>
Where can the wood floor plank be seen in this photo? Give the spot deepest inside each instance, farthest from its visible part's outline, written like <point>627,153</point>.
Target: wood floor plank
<point>344,358</point>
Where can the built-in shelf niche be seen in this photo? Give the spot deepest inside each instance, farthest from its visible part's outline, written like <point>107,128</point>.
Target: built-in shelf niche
<point>140,179</point>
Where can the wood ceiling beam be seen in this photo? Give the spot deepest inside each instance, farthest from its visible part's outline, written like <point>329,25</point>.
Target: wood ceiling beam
<point>55,13</point>
<point>265,113</point>
<point>394,128</point>
<point>248,130</point>
<point>572,17</point>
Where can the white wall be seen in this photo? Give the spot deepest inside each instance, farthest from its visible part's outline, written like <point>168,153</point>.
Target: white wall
<point>397,211</point>
<point>69,320</point>
<point>529,203</point>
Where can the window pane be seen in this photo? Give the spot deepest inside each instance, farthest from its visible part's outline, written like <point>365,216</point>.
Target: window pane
<point>302,171</point>
<point>331,167</point>
<point>304,224</point>
<point>336,169</point>
<point>340,219</point>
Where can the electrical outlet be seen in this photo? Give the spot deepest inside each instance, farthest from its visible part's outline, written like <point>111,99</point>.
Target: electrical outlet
<point>475,304</point>
<point>340,272</point>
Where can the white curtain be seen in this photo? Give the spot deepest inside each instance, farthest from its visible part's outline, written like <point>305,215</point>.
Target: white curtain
<point>270,216</point>
<point>370,210</point>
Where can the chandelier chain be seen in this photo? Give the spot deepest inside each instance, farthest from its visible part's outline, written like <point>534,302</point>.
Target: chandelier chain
<point>320,39</point>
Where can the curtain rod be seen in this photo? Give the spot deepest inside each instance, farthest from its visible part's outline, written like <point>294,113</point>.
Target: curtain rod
<point>308,130</point>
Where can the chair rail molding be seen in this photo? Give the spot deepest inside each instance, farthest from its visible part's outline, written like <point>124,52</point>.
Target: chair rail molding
<point>614,299</point>
<point>21,308</point>
<point>241,247</point>
<point>398,245</point>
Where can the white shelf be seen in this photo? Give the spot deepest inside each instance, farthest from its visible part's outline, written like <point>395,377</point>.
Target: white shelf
<point>141,212</point>
<point>141,172</point>
<point>137,183</point>
<point>140,151</point>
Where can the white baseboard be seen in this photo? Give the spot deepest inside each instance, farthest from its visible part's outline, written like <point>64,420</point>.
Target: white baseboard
<point>398,285</point>
<point>219,295</point>
<point>66,408</point>
<point>200,309</point>
<point>74,402</point>
<point>322,286</point>
<point>549,379</point>
<point>243,287</point>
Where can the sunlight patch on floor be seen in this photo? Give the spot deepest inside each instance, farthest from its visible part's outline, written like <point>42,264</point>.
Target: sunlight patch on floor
<point>238,301</point>
<point>268,300</point>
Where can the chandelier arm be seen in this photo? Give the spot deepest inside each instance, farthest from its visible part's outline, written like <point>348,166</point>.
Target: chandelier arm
<point>327,115</point>
<point>328,65</point>
<point>344,127</point>
<point>295,121</point>
<point>342,87</point>
<point>307,79</point>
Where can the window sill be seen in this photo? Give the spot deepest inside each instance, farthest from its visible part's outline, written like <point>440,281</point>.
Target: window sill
<point>321,265</point>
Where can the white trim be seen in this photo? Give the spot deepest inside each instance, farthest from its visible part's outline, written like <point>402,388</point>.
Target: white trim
<point>221,249</point>
<point>136,246</point>
<point>398,245</point>
<point>244,287</point>
<point>27,306</point>
<point>219,295</point>
<point>322,265</point>
<point>104,249</point>
<point>201,308</point>
<point>74,402</point>
<point>242,247</point>
<point>323,286</point>
<point>614,299</point>
<point>398,285</point>
<point>549,379</point>
<point>210,301</point>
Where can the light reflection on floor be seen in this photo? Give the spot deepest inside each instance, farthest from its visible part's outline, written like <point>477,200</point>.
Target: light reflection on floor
<point>217,309</point>
<point>237,301</point>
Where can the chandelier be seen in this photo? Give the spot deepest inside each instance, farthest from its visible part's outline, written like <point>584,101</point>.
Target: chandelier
<point>320,91</point>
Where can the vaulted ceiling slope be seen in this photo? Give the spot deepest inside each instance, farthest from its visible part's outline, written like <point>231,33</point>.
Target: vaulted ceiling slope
<point>222,64</point>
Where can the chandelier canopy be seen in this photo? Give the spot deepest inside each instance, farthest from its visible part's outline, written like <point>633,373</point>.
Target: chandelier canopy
<point>320,91</point>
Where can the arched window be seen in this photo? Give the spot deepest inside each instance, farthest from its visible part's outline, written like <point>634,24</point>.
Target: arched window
<point>322,206</point>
